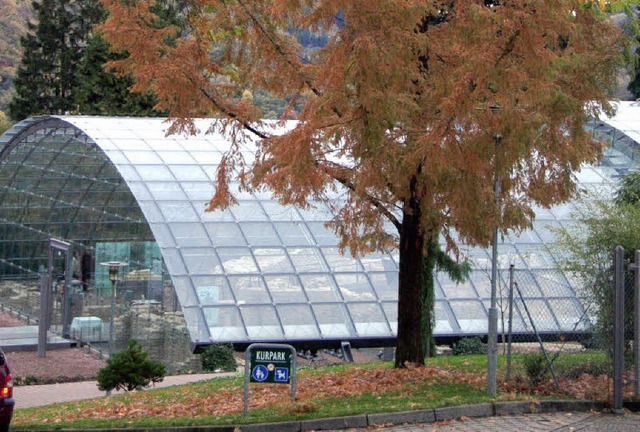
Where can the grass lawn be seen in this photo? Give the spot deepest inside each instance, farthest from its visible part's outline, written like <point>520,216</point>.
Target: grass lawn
<point>322,392</point>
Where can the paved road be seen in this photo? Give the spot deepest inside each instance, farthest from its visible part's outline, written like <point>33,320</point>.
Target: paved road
<point>39,395</point>
<point>566,421</point>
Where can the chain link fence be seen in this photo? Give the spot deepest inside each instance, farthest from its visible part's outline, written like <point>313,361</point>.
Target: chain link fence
<point>549,333</point>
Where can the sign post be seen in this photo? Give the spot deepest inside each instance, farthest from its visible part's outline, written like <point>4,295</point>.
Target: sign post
<point>269,364</point>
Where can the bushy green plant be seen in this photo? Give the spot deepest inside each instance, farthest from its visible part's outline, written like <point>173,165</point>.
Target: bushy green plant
<point>130,370</point>
<point>218,357</point>
<point>534,365</point>
<point>469,346</point>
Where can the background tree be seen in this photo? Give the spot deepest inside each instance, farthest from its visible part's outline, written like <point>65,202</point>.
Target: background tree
<point>46,77</point>
<point>601,225</point>
<point>413,109</point>
<point>4,123</point>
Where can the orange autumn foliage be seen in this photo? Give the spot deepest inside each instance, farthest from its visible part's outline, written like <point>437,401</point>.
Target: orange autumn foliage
<point>412,109</point>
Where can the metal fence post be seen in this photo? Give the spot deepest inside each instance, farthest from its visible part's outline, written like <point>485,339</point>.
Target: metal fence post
<point>618,333</point>
<point>45,312</point>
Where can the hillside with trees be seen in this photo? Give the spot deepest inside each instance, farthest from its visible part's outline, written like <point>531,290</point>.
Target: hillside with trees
<point>14,15</point>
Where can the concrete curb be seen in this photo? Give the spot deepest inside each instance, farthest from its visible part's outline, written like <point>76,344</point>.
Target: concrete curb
<point>397,418</point>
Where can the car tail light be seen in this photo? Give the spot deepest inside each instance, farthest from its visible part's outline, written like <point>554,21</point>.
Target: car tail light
<point>7,388</point>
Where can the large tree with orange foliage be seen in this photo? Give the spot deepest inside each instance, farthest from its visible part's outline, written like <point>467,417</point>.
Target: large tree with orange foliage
<point>413,109</point>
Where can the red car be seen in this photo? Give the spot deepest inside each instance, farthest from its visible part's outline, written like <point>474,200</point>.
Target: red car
<point>6,394</point>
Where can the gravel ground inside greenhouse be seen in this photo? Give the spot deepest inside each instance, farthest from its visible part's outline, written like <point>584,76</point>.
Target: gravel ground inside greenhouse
<point>59,365</point>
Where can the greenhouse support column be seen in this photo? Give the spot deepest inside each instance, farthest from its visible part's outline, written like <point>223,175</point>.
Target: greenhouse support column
<point>618,332</point>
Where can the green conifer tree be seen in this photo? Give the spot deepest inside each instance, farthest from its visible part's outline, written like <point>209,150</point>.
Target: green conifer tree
<point>46,77</point>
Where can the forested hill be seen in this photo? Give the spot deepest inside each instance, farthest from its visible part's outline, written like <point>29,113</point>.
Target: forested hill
<point>13,24</point>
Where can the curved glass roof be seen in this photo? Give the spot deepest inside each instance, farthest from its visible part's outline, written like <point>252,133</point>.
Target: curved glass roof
<point>258,271</point>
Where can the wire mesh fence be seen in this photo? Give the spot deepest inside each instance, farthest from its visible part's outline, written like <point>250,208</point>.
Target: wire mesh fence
<point>549,336</point>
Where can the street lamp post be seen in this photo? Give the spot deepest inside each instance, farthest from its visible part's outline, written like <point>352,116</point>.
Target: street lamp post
<point>492,337</point>
<point>114,269</point>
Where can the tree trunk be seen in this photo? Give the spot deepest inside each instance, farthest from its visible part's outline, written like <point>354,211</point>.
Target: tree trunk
<point>409,342</point>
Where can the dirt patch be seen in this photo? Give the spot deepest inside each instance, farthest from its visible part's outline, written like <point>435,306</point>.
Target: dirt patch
<point>59,365</point>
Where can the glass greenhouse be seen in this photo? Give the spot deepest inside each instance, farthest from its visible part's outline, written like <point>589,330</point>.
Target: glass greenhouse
<point>120,189</point>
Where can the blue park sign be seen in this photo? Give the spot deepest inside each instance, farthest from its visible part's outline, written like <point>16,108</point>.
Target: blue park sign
<point>270,364</point>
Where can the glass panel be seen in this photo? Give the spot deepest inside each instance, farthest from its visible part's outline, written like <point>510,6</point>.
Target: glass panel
<point>143,157</point>
<point>333,320</point>
<point>391,311</point>
<point>285,289</point>
<point>201,261</point>
<point>293,233</point>
<point>262,322</point>
<point>482,283</point>
<point>248,211</point>
<point>307,260</point>
<point>540,314</point>
<point>378,261</point>
<point>385,284</point>
<point>176,157</point>
<point>178,211</point>
<point>237,260</point>
<point>507,255</point>
<point>553,283</point>
<point>570,315</point>
<point>320,288</point>
<point>564,211</point>
<point>470,315</point>
<point>184,291</point>
<point>536,256</point>
<point>298,322</point>
<point>339,262</point>
<point>140,190</point>
<point>173,261</point>
<point>526,285</point>
<point>213,290</point>
<point>166,191</point>
<point>196,324</point>
<point>369,319</point>
<point>249,289</point>
<point>154,172</point>
<point>453,289</point>
<point>151,211</point>
<point>190,234</point>
<point>272,260</point>
<point>355,287</point>
<point>544,229</point>
<point>278,212</point>
<point>443,318</point>
<point>212,216</point>
<point>323,236</point>
<point>163,235</point>
<point>198,191</point>
<point>189,172</point>
<point>260,234</point>
<point>526,236</point>
<point>479,258</point>
<point>225,324</point>
<point>225,234</point>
